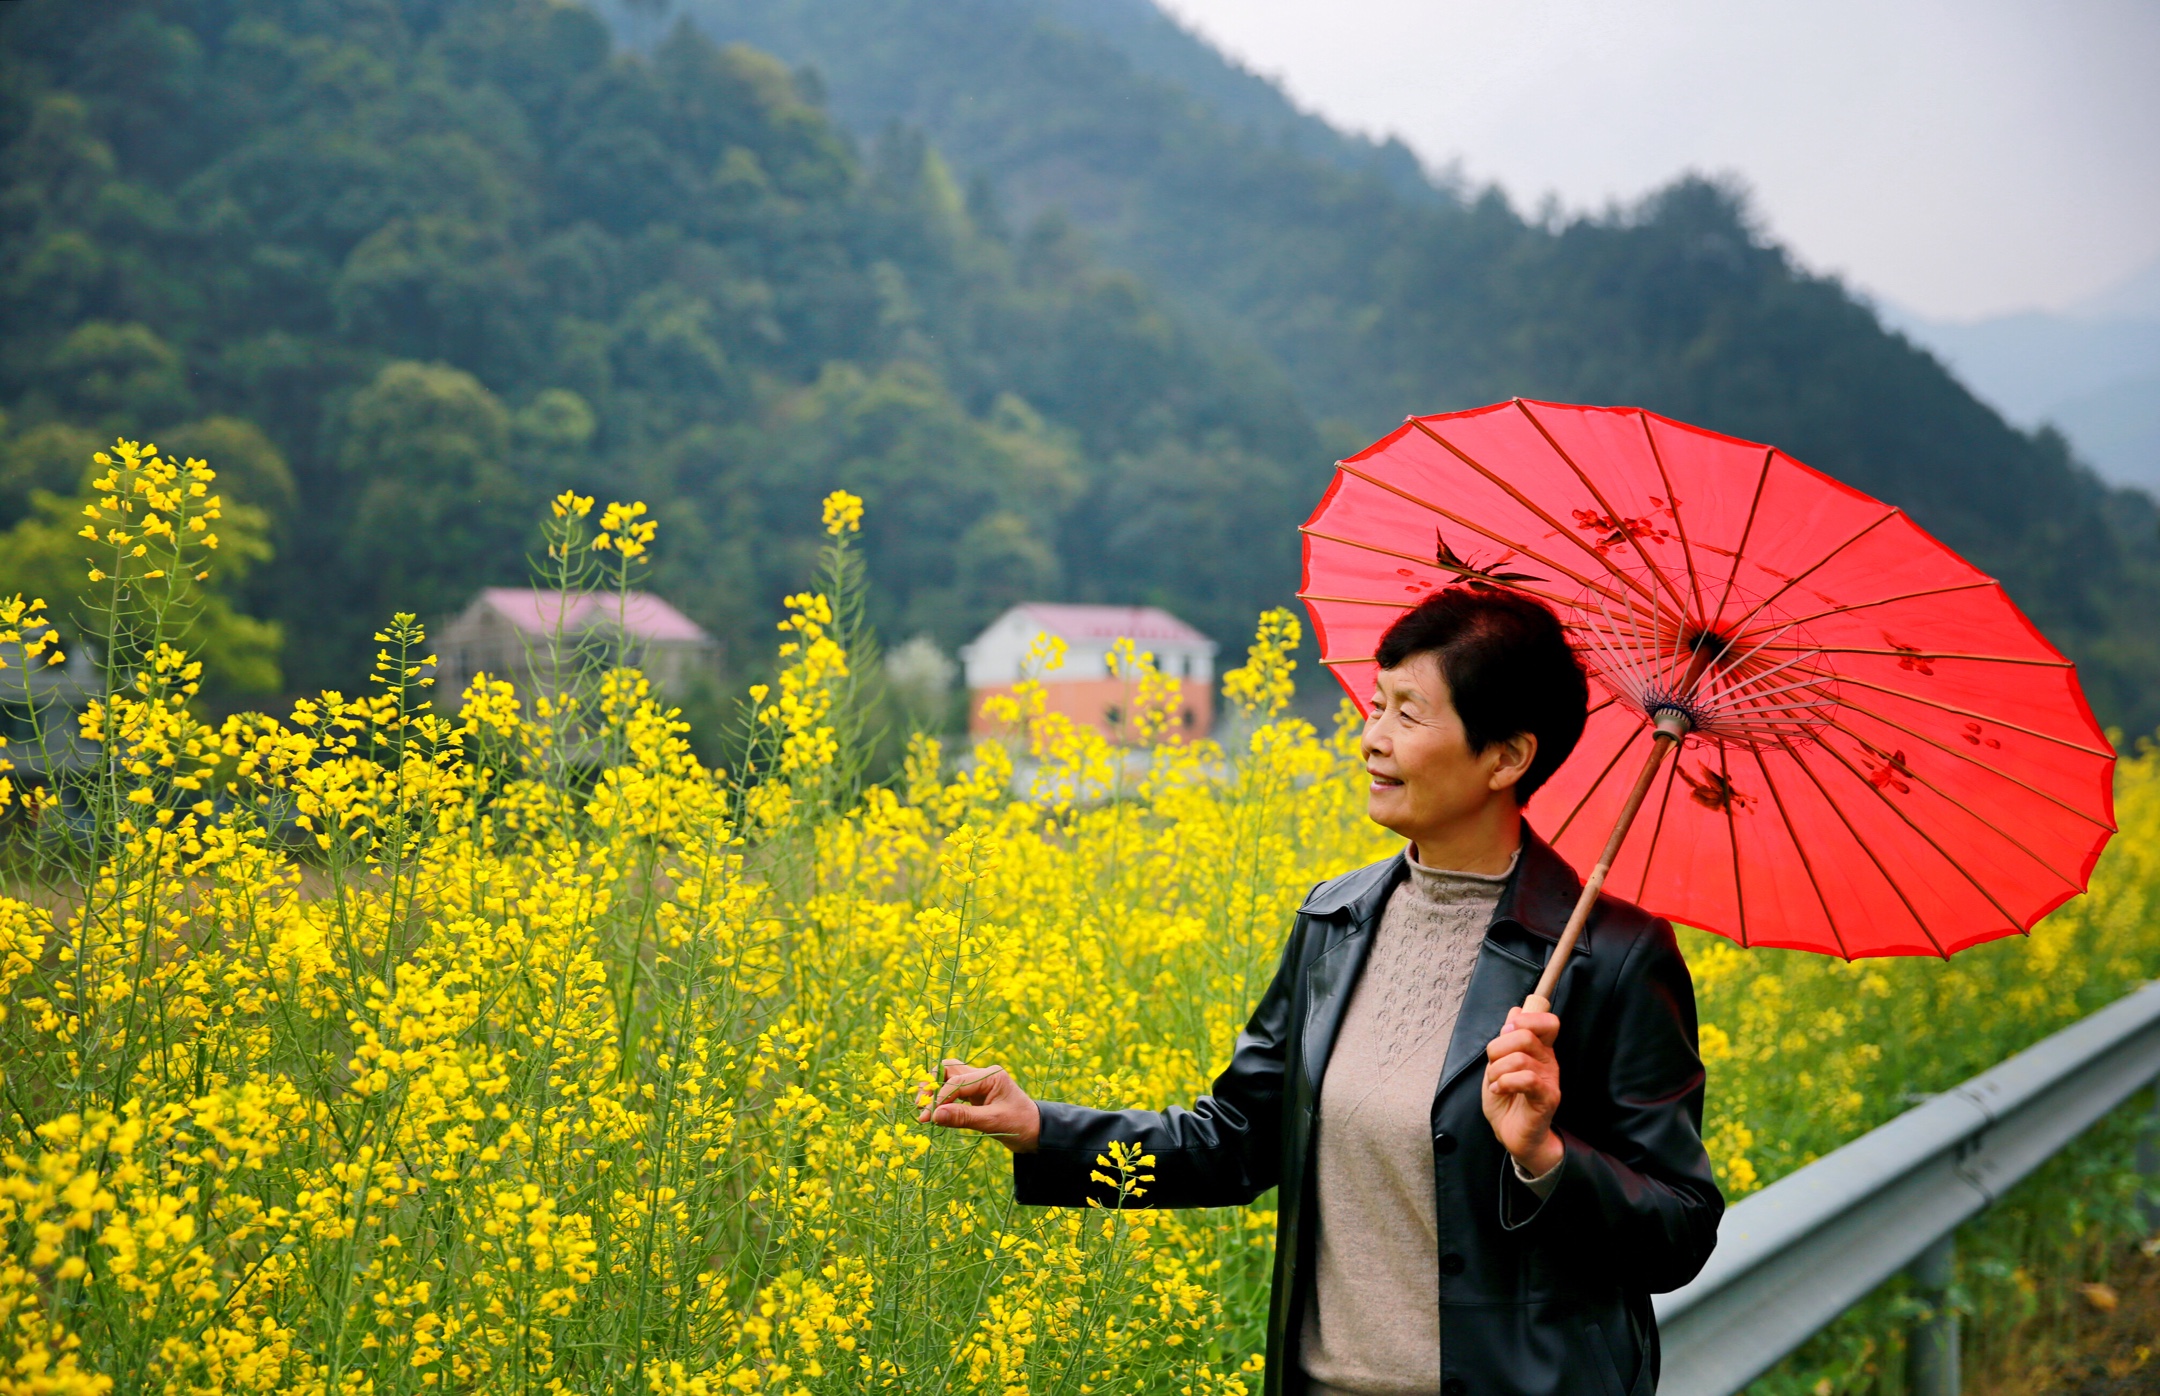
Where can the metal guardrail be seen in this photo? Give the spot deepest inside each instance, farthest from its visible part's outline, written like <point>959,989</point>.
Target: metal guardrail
<point>1797,1254</point>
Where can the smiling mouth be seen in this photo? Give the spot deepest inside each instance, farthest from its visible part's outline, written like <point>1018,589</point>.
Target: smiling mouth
<point>1379,779</point>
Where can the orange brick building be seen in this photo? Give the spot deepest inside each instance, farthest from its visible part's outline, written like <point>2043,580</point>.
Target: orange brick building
<point>1084,689</point>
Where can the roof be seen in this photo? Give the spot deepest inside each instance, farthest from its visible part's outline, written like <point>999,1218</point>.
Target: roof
<point>641,614</point>
<point>1110,623</point>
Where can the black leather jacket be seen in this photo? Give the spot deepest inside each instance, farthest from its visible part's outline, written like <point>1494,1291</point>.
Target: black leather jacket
<point>1536,1299</point>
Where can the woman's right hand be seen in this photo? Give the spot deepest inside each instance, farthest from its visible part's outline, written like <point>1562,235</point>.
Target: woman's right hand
<point>984,1099</point>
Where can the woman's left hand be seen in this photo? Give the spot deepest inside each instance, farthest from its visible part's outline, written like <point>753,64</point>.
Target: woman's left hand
<point>1522,1089</point>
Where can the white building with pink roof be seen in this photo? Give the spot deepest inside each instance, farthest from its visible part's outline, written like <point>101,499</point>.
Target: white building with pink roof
<point>515,633</point>
<point>1084,689</point>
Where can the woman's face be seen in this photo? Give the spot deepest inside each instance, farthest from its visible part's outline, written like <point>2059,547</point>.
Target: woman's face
<point>1426,783</point>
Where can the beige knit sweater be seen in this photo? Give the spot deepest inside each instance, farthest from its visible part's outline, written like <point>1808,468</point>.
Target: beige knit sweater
<point>1373,1328</point>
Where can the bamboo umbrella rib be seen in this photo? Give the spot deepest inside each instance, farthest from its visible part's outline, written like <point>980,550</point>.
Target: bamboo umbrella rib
<point>1779,716</point>
<point>1595,634</point>
<point>1967,756</point>
<point>1352,600</point>
<point>1391,604</point>
<point>1981,717</point>
<point>1803,675</point>
<point>1729,662</point>
<point>1914,825</point>
<point>1839,811</point>
<point>1764,710</point>
<point>1742,700</point>
<point>1762,718</point>
<point>1748,698</point>
<point>1760,709</point>
<point>2032,661</point>
<point>1750,689</point>
<point>1622,658</point>
<point>1757,722</point>
<point>1792,831</point>
<point>1747,531</point>
<point>1658,661</point>
<point>1619,523</point>
<point>1672,773</point>
<point>1984,821</point>
<point>1732,842</point>
<point>1812,568</point>
<point>1745,699</point>
<point>1687,551</point>
<point>1591,789</point>
<point>1552,597</point>
<point>1799,696</point>
<point>1520,498</point>
<point>1375,659</point>
<point>1733,664</point>
<point>1890,600</point>
<point>1589,631</point>
<point>1311,532</point>
<point>1483,532</point>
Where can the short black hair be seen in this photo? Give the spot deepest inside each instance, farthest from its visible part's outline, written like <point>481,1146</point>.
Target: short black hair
<point>1508,666</point>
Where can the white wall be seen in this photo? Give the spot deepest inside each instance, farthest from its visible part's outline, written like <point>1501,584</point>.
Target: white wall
<point>998,655</point>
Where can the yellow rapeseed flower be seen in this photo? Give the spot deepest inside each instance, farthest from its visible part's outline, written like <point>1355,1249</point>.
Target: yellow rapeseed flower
<point>843,513</point>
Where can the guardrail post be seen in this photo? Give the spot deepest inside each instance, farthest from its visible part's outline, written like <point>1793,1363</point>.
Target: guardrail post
<point>1931,1348</point>
<point>2148,1161</point>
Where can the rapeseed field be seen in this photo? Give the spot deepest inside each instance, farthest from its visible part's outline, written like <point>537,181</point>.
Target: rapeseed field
<point>493,1042</point>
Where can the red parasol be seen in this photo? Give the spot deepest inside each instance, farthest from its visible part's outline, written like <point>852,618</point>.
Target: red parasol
<point>1878,753</point>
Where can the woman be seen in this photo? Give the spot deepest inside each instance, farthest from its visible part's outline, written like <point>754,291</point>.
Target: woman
<point>1442,1231</point>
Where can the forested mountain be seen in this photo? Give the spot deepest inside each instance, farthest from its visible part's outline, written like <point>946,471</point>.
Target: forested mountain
<point>1376,299</point>
<point>404,268</point>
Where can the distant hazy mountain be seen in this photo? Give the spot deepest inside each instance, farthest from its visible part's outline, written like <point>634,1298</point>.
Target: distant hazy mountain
<point>1159,47</point>
<point>1092,41</point>
<point>2093,371</point>
<point>2117,428</point>
<point>2135,297</point>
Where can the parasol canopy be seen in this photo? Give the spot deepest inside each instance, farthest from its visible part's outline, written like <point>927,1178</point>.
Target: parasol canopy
<point>1875,752</point>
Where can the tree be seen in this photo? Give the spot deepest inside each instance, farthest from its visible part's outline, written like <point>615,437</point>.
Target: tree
<point>435,509</point>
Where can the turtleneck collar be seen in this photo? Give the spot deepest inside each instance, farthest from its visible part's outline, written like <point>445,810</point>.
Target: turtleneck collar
<point>1440,881</point>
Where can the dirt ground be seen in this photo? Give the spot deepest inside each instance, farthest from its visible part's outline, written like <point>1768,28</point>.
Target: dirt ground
<point>2111,1347</point>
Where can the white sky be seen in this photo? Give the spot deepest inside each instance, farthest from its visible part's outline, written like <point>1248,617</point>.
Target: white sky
<point>1959,157</point>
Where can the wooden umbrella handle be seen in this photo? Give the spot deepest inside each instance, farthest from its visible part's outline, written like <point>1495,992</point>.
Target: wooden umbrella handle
<point>1672,725</point>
